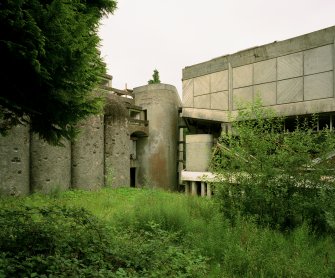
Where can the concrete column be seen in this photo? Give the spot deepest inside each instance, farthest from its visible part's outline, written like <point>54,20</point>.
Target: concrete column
<point>193,188</point>
<point>203,188</point>
<point>209,190</point>
<point>187,188</point>
<point>230,87</point>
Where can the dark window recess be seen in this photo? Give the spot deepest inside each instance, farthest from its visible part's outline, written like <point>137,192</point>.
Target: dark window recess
<point>133,177</point>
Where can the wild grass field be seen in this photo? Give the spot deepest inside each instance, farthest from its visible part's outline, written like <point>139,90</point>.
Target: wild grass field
<point>149,233</point>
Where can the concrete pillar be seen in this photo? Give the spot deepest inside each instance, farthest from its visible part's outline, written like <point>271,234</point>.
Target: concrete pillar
<point>209,190</point>
<point>194,190</point>
<point>203,188</point>
<point>14,161</point>
<point>187,187</point>
<point>50,166</point>
<point>88,155</point>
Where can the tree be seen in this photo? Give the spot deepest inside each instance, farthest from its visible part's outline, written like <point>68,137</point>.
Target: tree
<point>50,64</point>
<point>279,178</point>
<point>155,78</point>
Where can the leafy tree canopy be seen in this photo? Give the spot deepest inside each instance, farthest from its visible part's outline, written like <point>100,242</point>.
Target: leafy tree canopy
<point>50,64</point>
<point>155,78</point>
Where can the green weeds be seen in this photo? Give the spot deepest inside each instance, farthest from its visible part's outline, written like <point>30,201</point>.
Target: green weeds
<point>149,233</point>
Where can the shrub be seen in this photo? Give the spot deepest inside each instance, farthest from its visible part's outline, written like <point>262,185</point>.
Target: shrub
<point>280,179</point>
<point>58,241</point>
<point>55,241</point>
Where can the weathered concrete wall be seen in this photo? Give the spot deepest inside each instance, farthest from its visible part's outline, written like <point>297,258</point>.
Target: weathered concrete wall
<point>294,76</point>
<point>14,162</point>
<point>88,154</point>
<point>198,152</point>
<point>50,166</point>
<point>157,154</point>
<point>117,152</point>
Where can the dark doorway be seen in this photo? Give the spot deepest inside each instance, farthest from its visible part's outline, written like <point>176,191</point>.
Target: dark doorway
<point>133,177</point>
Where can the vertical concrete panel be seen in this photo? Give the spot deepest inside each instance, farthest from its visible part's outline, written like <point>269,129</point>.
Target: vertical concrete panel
<point>290,66</point>
<point>203,102</point>
<point>188,93</point>
<point>265,71</point>
<point>219,100</point>
<point>202,85</point>
<point>157,154</point>
<point>241,97</point>
<point>267,93</point>
<point>198,152</point>
<point>219,81</point>
<point>88,155</point>
<point>318,59</point>
<point>117,152</point>
<point>14,162</point>
<point>290,90</point>
<point>318,86</point>
<point>50,166</point>
<point>243,76</point>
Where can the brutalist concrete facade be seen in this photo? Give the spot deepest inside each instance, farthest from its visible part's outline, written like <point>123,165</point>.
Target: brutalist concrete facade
<point>294,76</point>
<point>114,149</point>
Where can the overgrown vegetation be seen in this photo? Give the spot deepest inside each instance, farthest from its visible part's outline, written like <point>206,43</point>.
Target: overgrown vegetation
<point>280,179</point>
<point>149,233</point>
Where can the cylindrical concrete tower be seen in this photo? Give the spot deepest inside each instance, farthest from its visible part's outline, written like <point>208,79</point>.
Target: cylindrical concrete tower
<point>157,153</point>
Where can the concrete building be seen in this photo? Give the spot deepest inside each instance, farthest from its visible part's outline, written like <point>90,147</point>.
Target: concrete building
<point>133,143</point>
<point>140,139</point>
<point>295,77</point>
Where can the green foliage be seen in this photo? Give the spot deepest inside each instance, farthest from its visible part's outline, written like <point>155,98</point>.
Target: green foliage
<point>150,233</point>
<point>50,64</point>
<point>54,241</point>
<point>280,179</point>
<point>155,78</point>
<point>59,241</point>
<point>154,252</point>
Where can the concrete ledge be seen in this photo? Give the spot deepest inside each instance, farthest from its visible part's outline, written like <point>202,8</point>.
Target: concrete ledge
<point>199,138</point>
<point>288,109</point>
<point>199,176</point>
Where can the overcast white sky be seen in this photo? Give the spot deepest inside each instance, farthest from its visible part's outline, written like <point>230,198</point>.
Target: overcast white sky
<point>169,35</point>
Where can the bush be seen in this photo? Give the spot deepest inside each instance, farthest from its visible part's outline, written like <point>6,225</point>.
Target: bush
<point>56,241</point>
<point>280,179</point>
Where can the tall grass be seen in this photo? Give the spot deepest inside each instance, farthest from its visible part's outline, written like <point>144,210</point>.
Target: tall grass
<point>195,224</point>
